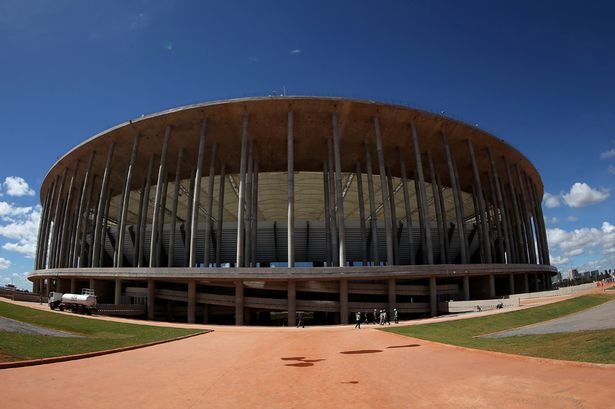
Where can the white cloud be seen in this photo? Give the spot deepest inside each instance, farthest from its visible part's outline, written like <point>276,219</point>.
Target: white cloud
<point>611,169</point>
<point>17,186</point>
<point>578,241</point>
<point>608,154</point>
<point>572,218</point>
<point>23,230</point>
<point>581,195</point>
<point>575,252</point>
<point>552,220</point>
<point>9,210</point>
<point>559,260</point>
<point>295,51</point>
<point>551,201</point>
<point>4,263</point>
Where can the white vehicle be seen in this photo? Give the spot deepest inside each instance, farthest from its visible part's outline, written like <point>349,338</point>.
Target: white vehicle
<point>84,303</point>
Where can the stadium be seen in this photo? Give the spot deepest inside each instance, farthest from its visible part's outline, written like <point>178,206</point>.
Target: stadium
<point>248,211</point>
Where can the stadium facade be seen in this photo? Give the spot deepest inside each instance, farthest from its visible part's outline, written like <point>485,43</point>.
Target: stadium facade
<point>247,211</point>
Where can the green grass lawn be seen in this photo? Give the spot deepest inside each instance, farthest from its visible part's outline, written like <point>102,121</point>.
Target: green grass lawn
<point>96,335</point>
<point>588,346</point>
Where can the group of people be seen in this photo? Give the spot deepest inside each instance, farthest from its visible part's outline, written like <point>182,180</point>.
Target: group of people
<point>378,317</point>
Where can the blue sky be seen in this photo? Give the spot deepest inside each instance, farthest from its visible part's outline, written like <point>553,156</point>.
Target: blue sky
<point>536,74</point>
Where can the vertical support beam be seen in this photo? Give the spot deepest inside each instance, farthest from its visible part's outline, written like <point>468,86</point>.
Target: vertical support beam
<point>188,224</point>
<point>119,255</point>
<point>101,206</point>
<point>386,203</point>
<point>435,189</point>
<point>463,245</point>
<point>502,214</point>
<point>191,301</point>
<point>210,202</point>
<point>117,298</point>
<point>340,192</point>
<point>65,223</point>
<point>247,235</point>
<point>56,221</point>
<point>241,202</point>
<point>481,204</point>
<point>394,236</point>
<point>290,151</point>
<point>491,286</point>
<point>373,221</point>
<point>335,255</point>
<point>343,301</point>
<point>220,215</point>
<point>239,303</point>
<point>511,283</point>
<point>407,210</point>
<point>526,283</point>
<point>41,234</point>
<point>73,286</point>
<point>84,253</point>
<point>151,294</point>
<point>541,227</point>
<point>328,229</point>
<point>526,206</point>
<point>196,197</point>
<point>158,209</point>
<point>361,214</point>
<point>104,230</point>
<point>422,196</point>
<point>292,303</point>
<point>44,233</point>
<point>521,245</point>
<point>392,295</point>
<point>433,296</point>
<point>177,184</point>
<point>143,215</point>
<point>254,215</point>
<point>466,288</point>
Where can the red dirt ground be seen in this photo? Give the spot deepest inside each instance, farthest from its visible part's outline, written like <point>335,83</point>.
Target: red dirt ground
<point>318,367</point>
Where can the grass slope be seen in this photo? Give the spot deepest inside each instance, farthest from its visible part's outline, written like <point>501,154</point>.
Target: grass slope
<point>96,335</point>
<point>587,346</point>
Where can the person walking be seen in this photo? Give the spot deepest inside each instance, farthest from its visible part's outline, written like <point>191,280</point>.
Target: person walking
<point>385,318</point>
<point>395,316</point>
<point>375,316</point>
<point>300,321</point>
<point>358,320</point>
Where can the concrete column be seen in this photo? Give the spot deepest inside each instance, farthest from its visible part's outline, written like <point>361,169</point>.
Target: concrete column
<point>188,224</point>
<point>191,301</point>
<point>459,213</point>
<point>241,202</point>
<point>73,286</point>
<point>394,227</point>
<point>408,213</point>
<point>177,184</point>
<point>65,237</point>
<point>340,192</point>
<point>220,216</point>
<point>85,194</point>
<point>44,232</point>
<point>444,221</point>
<point>158,209</point>
<point>481,204</point>
<point>386,203</point>
<point>119,254</point>
<point>536,283</point>
<point>435,189</point>
<point>503,215</point>
<point>254,215</point>
<point>56,222</point>
<point>526,206</point>
<point>327,216</point>
<point>210,203</point>
<point>433,297</point>
<point>361,214</point>
<point>466,288</point>
<point>343,301</point>
<point>372,206</point>
<point>102,202</point>
<point>291,198</point>
<point>491,286</point>
<point>104,230</point>
<point>42,222</point>
<point>422,196</point>
<point>239,304</point>
<point>521,246</point>
<point>533,216</point>
<point>151,294</point>
<point>247,235</point>
<point>117,299</point>
<point>196,197</point>
<point>392,293</point>
<point>526,283</point>
<point>292,303</point>
<point>541,226</point>
<point>333,239</point>
<point>143,214</point>
<point>84,253</point>
<point>511,283</point>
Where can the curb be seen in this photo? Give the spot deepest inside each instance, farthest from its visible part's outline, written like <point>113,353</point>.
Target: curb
<point>42,361</point>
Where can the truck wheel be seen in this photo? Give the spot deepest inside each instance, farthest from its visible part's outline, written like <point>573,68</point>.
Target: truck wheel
<point>61,308</point>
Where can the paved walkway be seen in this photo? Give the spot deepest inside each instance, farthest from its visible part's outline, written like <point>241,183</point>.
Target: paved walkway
<point>318,367</point>
<point>600,317</point>
<point>9,325</point>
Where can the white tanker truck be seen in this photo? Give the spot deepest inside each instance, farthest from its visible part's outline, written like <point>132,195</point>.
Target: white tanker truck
<point>84,303</point>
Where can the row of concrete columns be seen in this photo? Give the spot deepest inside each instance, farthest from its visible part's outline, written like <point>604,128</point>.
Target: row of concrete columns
<point>508,217</point>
